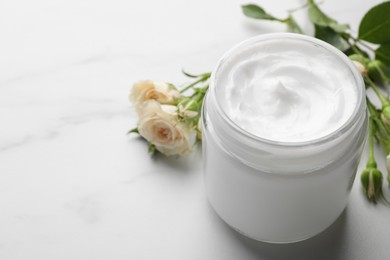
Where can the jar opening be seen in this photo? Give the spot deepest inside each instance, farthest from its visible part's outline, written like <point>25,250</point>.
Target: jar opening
<point>242,75</point>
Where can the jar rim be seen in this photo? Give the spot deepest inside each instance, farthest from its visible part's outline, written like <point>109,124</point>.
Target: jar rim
<point>360,104</point>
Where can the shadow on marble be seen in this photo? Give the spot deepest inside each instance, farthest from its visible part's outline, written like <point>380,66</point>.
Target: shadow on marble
<point>183,164</point>
<point>326,245</point>
<point>174,164</point>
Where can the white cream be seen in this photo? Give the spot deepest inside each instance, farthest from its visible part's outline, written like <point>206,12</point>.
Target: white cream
<point>290,91</point>
<point>286,89</point>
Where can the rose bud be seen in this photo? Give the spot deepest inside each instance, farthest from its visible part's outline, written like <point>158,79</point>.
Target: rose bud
<point>385,116</point>
<point>360,63</point>
<point>377,71</point>
<point>371,179</point>
<point>163,93</point>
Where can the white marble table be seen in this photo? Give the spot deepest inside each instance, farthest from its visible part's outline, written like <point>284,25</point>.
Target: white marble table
<point>74,186</point>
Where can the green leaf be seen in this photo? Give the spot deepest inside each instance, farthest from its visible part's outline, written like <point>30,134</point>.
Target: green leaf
<point>204,76</point>
<point>152,150</point>
<point>375,25</point>
<point>360,58</point>
<point>340,28</point>
<point>317,16</point>
<point>320,18</point>
<point>190,75</point>
<point>329,35</point>
<point>354,49</point>
<point>379,72</point>
<point>134,130</point>
<point>382,62</point>
<point>256,12</point>
<point>383,54</point>
<point>292,25</point>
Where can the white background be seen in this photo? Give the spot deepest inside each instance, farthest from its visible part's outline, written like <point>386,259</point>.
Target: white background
<point>74,186</point>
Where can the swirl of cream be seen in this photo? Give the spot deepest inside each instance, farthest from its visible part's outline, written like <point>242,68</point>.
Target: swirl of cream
<point>289,91</point>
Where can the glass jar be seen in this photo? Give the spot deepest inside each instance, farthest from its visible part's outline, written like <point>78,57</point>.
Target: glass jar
<point>279,192</point>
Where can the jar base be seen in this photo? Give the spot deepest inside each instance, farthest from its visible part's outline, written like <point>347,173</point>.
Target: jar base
<point>281,242</point>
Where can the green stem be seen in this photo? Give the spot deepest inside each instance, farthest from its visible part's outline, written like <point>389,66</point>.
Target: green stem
<point>356,40</point>
<point>352,46</point>
<point>202,94</point>
<point>356,49</point>
<point>203,77</point>
<point>382,73</point>
<point>371,135</point>
<point>199,95</point>
<point>290,21</point>
<point>374,114</point>
<point>365,45</point>
<point>371,159</point>
<point>385,102</point>
<point>282,20</point>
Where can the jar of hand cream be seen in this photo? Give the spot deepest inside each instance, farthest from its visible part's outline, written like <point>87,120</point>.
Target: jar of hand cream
<point>284,123</point>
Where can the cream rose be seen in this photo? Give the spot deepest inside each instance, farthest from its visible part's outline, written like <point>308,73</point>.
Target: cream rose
<point>184,112</point>
<point>147,90</point>
<point>160,125</point>
<point>362,69</point>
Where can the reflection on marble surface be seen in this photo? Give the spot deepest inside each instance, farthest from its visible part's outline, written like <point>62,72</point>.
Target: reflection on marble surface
<point>74,186</point>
